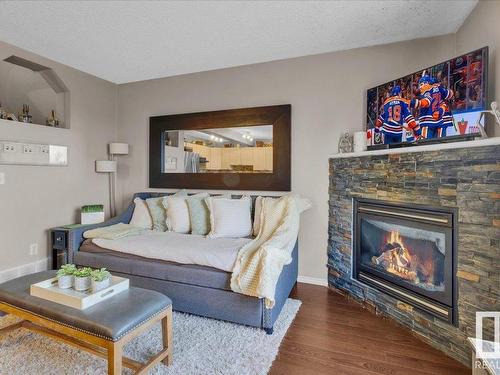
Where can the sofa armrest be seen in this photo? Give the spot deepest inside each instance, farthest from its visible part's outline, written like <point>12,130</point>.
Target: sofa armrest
<point>286,281</point>
<point>75,235</point>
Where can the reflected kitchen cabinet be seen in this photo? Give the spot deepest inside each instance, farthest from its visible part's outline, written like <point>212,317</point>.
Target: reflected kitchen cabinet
<point>247,156</point>
<point>215,161</point>
<point>268,153</point>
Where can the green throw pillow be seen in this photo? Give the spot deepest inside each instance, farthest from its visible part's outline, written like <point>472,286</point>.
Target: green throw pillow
<point>158,213</point>
<point>199,215</point>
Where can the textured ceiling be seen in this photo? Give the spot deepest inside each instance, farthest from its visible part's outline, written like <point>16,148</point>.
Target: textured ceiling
<point>138,40</point>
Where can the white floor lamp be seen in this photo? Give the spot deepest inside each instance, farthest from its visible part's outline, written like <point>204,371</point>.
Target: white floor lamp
<point>111,166</point>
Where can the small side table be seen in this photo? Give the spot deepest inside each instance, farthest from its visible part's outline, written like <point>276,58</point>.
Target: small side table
<point>486,366</point>
<point>59,242</point>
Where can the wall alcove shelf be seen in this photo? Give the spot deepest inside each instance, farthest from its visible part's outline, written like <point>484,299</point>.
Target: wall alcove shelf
<point>27,125</point>
<point>25,82</point>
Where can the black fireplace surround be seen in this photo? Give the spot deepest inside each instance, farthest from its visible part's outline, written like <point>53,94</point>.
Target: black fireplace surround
<point>408,252</point>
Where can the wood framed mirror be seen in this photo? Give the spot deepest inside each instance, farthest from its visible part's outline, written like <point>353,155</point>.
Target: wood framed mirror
<point>235,149</point>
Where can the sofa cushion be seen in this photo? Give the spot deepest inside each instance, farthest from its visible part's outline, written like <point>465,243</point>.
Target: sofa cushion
<point>158,213</point>
<point>230,217</point>
<point>158,269</point>
<point>141,216</point>
<point>199,215</point>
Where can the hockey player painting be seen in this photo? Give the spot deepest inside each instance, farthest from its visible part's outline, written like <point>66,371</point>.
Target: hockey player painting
<point>395,118</point>
<point>434,113</point>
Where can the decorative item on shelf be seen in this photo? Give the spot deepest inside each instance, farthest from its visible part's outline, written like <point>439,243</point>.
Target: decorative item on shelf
<point>110,166</point>
<point>82,278</point>
<point>359,141</point>
<point>100,279</point>
<point>92,214</point>
<point>345,143</point>
<point>65,276</point>
<point>3,113</point>
<point>25,115</point>
<point>52,120</point>
<point>11,117</point>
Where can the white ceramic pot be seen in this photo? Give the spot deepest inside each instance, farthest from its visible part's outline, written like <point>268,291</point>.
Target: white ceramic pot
<point>100,285</point>
<point>82,283</point>
<point>65,282</point>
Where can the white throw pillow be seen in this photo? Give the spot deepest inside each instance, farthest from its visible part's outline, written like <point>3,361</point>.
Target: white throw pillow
<point>230,217</point>
<point>141,216</point>
<point>178,211</point>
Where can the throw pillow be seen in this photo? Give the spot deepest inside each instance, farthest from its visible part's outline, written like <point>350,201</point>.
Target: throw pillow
<point>174,201</point>
<point>230,217</point>
<point>178,212</point>
<point>158,213</point>
<point>199,215</point>
<point>141,217</point>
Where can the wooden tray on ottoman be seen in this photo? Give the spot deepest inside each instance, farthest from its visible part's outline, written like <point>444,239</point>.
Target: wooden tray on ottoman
<point>49,290</point>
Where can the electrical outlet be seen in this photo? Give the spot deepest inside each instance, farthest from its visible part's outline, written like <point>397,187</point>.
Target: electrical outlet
<point>9,147</point>
<point>27,149</point>
<point>34,249</point>
<point>44,149</point>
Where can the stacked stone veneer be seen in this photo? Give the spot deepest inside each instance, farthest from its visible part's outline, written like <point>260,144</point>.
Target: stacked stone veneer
<point>467,178</point>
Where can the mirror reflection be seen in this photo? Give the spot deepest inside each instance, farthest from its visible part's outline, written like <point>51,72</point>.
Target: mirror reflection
<point>225,150</point>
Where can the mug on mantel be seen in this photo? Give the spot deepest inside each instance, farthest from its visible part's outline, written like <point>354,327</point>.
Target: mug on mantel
<point>359,141</point>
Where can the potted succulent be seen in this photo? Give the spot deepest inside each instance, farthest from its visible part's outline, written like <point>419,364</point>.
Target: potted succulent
<point>82,278</point>
<point>100,279</point>
<point>65,276</point>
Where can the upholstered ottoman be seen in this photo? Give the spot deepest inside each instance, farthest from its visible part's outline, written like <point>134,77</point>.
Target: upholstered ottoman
<point>102,329</point>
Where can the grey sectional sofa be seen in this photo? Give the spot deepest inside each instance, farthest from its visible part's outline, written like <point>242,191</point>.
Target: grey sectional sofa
<point>193,289</point>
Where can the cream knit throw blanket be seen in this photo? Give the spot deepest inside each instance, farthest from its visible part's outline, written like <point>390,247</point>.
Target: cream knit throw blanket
<point>259,263</point>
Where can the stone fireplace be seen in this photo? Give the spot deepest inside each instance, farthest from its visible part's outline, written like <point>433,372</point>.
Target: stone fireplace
<point>431,276</point>
<point>408,252</point>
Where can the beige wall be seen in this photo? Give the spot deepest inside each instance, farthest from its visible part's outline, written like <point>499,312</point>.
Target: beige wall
<point>482,28</point>
<point>327,94</point>
<point>36,198</point>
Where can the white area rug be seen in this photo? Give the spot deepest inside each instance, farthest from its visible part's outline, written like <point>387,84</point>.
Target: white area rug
<point>201,346</point>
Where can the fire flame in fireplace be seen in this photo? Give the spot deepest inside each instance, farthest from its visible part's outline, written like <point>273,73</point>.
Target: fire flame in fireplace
<point>396,258</point>
<point>395,237</point>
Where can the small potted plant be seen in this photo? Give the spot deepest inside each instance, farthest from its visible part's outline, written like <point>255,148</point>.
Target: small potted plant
<point>65,276</point>
<point>100,279</point>
<point>82,278</point>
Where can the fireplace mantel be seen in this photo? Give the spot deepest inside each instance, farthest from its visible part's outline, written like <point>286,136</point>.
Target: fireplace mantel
<point>436,147</point>
<point>464,176</point>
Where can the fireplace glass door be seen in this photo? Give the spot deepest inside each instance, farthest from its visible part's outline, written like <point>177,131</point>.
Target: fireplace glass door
<point>407,252</point>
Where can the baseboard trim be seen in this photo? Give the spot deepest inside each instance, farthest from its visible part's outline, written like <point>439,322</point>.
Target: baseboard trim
<point>25,269</point>
<point>312,280</point>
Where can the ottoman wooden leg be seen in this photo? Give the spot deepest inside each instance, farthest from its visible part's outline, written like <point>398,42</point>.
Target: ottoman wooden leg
<point>115,358</point>
<point>166,327</point>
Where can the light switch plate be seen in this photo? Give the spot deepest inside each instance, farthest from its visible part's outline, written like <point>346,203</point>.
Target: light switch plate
<point>2,178</point>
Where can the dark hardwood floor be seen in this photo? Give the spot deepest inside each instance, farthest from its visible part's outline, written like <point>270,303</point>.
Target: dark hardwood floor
<point>333,335</point>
